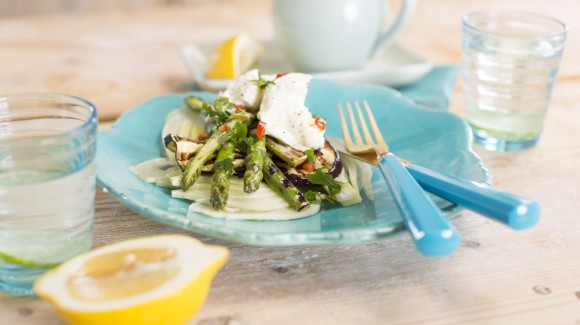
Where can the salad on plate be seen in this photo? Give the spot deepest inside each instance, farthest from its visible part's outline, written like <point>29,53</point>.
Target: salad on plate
<point>256,152</point>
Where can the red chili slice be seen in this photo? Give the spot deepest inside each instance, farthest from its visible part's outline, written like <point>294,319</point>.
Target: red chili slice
<point>261,130</point>
<point>240,108</point>
<point>320,123</point>
<point>308,166</point>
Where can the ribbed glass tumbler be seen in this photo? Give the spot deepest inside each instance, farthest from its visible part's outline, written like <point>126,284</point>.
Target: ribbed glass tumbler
<point>47,184</point>
<point>510,62</point>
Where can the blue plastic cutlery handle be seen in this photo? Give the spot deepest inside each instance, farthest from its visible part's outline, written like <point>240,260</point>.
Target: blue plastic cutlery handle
<point>517,212</point>
<point>431,231</point>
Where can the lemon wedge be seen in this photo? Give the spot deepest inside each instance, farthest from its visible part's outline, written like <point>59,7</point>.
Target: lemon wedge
<point>234,57</point>
<point>152,280</point>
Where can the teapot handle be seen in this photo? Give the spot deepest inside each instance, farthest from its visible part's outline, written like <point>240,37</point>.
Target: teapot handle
<point>404,16</point>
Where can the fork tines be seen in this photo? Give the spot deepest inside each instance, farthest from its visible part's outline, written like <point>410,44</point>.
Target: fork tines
<point>359,146</point>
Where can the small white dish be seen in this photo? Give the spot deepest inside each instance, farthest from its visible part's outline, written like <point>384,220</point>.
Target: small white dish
<point>393,66</point>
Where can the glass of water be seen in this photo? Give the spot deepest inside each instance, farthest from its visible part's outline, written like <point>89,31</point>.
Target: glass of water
<point>47,184</point>
<point>510,62</point>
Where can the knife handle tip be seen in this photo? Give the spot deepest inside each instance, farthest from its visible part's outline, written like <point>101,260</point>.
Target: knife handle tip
<point>524,215</point>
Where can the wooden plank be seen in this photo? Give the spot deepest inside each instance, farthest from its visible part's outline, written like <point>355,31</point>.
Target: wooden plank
<point>498,276</point>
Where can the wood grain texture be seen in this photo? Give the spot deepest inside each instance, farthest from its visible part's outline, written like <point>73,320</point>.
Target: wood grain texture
<point>498,276</point>
<point>116,60</point>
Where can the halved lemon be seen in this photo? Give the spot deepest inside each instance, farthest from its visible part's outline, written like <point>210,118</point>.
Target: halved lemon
<point>152,280</point>
<point>234,57</point>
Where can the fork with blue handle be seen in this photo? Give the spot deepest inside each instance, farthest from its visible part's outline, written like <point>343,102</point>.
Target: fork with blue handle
<point>515,211</point>
<point>431,231</point>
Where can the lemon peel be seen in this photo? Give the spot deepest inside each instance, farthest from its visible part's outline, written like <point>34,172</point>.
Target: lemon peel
<point>152,280</point>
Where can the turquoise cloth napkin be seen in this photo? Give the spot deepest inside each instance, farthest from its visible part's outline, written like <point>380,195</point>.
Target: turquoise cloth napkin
<point>435,88</point>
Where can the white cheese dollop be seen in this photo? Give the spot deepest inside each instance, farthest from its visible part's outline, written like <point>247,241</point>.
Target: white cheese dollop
<point>287,118</point>
<point>244,90</point>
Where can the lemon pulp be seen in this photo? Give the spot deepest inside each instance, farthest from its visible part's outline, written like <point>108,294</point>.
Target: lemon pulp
<point>234,56</point>
<point>123,274</point>
<point>146,281</point>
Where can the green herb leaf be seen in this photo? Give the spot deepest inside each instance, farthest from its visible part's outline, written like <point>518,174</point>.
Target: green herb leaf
<point>226,164</point>
<point>310,155</point>
<point>310,196</point>
<point>239,130</point>
<point>321,178</point>
<point>262,83</point>
<point>246,143</point>
<point>222,109</point>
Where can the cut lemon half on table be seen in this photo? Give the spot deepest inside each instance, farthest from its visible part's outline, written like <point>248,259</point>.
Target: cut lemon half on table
<point>234,57</point>
<point>151,280</point>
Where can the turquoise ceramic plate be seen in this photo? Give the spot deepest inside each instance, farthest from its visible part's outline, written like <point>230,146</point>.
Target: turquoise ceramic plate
<point>434,139</point>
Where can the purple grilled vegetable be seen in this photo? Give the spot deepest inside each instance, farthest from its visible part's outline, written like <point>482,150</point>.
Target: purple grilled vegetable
<point>326,157</point>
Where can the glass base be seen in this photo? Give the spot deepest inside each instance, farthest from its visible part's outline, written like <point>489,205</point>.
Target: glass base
<point>492,141</point>
<point>18,281</point>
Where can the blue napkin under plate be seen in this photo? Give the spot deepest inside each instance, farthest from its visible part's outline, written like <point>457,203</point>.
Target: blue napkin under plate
<point>432,91</point>
<point>435,88</point>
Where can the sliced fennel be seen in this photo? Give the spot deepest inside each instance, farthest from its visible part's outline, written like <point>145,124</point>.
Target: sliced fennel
<point>359,175</point>
<point>182,122</point>
<point>166,181</point>
<point>349,194</point>
<point>153,170</point>
<point>204,207</point>
<point>264,204</point>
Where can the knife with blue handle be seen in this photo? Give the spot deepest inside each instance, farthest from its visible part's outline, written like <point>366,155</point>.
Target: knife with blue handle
<point>515,211</point>
<point>510,209</point>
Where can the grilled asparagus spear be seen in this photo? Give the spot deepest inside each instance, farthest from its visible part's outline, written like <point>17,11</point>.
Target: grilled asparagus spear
<point>254,162</point>
<point>290,155</point>
<point>278,182</point>
<point>225,132</point>
<point>223,170</point>
<point>197,104</point>
<point>217,113</point>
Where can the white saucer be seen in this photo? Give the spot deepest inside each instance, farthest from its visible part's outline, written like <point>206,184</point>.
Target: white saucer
<point>392,66</point>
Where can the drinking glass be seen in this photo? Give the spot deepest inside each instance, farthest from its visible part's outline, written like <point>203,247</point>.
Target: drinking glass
<point>47,184</point>
<point>510,63</point>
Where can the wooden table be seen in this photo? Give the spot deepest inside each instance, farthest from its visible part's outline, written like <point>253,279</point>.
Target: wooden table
<point>498,276</point>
